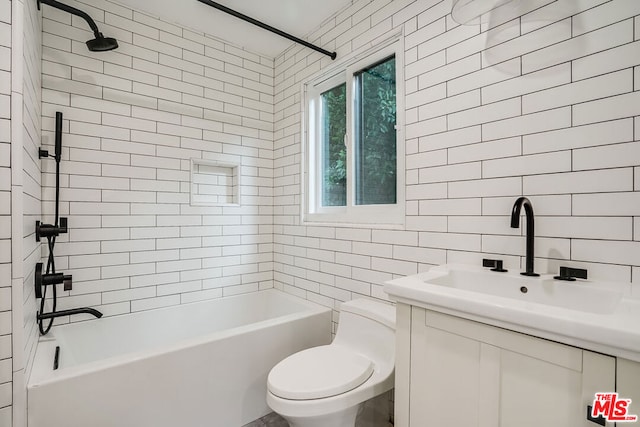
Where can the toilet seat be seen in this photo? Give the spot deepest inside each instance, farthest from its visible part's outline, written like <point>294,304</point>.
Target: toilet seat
<point>319,372</point>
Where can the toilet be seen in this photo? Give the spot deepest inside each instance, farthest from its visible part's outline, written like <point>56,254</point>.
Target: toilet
<point>327,385</point>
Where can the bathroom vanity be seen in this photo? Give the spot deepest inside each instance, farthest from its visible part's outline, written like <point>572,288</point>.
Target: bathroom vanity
<point>509,350</point>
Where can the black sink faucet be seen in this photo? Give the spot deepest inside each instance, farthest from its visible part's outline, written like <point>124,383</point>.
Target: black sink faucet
<point>515,223</point>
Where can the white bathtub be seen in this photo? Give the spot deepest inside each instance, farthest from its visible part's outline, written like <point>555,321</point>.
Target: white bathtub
<point>194,365</point>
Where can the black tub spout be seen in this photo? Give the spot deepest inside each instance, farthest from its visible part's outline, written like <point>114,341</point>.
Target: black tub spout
<point>84,310</point>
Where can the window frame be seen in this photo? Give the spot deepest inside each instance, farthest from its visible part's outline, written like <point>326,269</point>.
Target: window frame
<point>312,211</point>
<point>315,127</point>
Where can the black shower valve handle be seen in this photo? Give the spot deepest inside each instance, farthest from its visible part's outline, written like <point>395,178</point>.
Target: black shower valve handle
<point>63,226</point>
<point>67,282</point>
<point>48,230</point>
<point>41,280</point>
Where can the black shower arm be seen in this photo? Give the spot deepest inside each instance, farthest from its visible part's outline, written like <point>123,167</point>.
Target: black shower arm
<point>260,24</point>
<point>73,11</point>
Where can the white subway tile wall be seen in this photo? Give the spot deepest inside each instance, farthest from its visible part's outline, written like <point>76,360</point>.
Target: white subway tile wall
<point>541,105</point>
<point>6,353</point>
<point>133,120</point>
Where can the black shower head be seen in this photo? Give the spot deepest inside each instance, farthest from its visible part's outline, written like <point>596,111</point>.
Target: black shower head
<point>102,43</point>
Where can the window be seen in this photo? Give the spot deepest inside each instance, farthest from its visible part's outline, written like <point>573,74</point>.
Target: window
<point>375,134</point>
<point>333,149</point>
<point>353,169</point>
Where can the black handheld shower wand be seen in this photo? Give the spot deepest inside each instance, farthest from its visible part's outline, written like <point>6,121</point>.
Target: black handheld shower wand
<point>58,149</point>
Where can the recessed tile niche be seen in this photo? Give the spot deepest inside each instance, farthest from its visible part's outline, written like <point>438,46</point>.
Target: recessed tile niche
<point>214,183</point>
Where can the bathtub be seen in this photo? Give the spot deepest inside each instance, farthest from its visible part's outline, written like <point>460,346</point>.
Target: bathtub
<point>193,365</point>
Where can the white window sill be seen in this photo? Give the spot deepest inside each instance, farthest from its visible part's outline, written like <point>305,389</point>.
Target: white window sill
<point>328,220</point>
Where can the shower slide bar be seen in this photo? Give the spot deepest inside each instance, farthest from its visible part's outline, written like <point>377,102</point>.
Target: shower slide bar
<point>267,27</point>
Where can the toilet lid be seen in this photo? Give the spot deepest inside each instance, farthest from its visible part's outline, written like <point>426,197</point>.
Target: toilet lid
<point>319,372</point>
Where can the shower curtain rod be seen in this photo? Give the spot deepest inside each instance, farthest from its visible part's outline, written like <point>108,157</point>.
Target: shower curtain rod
<point>267,27</point>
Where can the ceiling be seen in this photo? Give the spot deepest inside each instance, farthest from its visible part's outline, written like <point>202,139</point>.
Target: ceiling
<point>296,17</point>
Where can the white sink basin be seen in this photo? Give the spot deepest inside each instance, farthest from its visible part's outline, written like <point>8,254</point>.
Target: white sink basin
<point>579,296</point>
<point>594,315</point>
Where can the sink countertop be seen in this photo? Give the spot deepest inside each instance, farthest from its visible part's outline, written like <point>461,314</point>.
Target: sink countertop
<point>612,329</point>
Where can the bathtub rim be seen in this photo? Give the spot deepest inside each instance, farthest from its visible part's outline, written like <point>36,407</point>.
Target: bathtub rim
<point>42,372</point>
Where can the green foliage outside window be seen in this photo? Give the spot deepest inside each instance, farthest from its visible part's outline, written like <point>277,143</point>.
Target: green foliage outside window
<point>334,156</point>
<point>375,139</point>
<point>375,148</point>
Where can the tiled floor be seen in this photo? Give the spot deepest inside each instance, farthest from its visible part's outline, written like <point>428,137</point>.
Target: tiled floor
<point>275,420</point>
<point>269,420</point>
<point>374,414</point>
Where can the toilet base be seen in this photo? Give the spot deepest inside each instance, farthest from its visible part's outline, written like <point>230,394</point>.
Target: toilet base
<point>346,418</point>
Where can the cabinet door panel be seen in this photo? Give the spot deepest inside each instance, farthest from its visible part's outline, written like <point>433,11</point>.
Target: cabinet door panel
<point>629,385</point>
<point>536,393</point>
<point>445,376</point>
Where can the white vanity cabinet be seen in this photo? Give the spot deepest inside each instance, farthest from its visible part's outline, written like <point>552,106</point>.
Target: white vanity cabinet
<point>453,372</point>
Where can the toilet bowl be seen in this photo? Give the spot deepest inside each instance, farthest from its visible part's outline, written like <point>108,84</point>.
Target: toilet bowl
<point>326,386</point>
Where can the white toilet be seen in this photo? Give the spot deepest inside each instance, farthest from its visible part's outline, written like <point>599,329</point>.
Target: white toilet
<point>325,386</point>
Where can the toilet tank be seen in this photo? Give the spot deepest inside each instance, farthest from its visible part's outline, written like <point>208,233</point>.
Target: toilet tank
<point>368,327</point>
